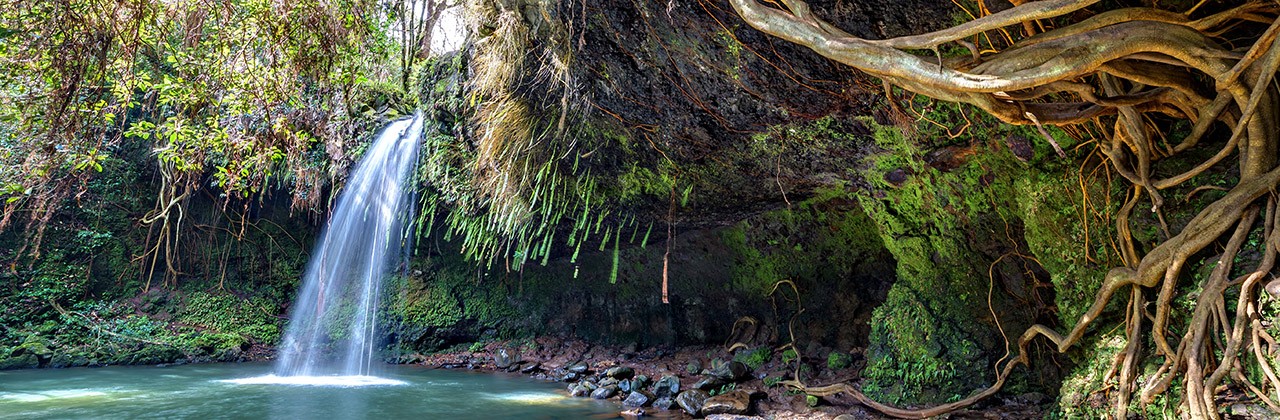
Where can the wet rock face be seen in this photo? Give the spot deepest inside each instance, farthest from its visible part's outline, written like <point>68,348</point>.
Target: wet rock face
<point>710,81</point>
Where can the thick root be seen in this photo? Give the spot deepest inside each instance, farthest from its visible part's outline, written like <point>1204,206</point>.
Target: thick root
<point>1117,66</point>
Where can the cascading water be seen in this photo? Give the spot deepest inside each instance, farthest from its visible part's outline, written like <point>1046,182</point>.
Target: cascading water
<point>332,323</point>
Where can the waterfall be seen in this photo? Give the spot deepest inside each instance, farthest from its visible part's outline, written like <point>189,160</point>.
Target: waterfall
<point>333,322</point>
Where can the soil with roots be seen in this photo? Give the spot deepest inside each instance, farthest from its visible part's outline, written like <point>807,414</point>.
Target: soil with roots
<point>1118,71</point>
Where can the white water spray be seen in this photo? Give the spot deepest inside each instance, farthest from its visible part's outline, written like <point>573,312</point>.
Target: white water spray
<point>332,328</point>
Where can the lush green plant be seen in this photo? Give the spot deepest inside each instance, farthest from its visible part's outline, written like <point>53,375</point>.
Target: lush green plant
<point>755,358</point>
<point>213,92</point>
<point>789,355</point>
<point>723,389</point>
<point>225,313</point>
<point>838,360</point>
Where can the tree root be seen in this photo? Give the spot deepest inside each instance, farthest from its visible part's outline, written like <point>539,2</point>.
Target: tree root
<point>1115,69</point>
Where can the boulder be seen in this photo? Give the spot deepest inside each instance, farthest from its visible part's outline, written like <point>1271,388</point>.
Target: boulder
<point>37,346</point>
<point>530,368</point>
<point>638,382</point>
<point>579,391</point>
<point>733,402</point>
<point>579,368</point>
<point>709,383</point>
<point>502,359</point>
<point>604,392</point>
<point>730,372</point>
<point>65,360</point>
<point>692,400</point>
<point>668,386</point>
<point>624,386</point>
<point>20,361</point>
<point>620,372</point>
<point>637,399</point>
<point>664,403</point>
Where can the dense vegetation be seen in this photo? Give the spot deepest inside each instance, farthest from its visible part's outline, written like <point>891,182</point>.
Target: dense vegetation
<point>144,149</point>
<point>665,173</point>
<point>1121,70</point>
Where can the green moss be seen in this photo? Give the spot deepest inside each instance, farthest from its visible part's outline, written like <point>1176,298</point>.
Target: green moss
<point>1087,376</point>
<point>789,355</point>
<point>432,307</point>
<point>755,358</point>
<point>639,182</point>
<point>19,361</point>
<point>444,307</point>
<point>838,360</point>
<point>814,239</point>
<point>233,315</point>
<point>1073,247</point>
<point>923,337</point>
<point>927,342</point>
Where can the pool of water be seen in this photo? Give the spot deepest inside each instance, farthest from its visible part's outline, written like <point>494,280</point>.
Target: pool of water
<point>220,391</point>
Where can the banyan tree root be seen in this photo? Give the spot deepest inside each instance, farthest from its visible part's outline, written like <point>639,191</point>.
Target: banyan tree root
<point>1116,69</point>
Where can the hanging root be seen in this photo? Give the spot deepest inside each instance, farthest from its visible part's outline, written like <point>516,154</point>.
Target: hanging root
<point>1117,69</point>
<point>165,222</point>
<point>740,342</point>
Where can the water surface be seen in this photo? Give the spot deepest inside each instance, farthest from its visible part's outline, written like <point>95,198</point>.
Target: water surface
<point>200,391</point>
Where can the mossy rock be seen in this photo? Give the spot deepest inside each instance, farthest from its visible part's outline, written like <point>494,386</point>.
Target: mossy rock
<point>153,355</point>
<point>36,346</point>
<point>69,359</point>
<point>19,361</point>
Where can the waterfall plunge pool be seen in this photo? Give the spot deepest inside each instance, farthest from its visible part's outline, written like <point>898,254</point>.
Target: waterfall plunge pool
<point>211,391</point>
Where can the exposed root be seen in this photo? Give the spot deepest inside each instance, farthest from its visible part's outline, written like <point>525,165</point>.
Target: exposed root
<point>1116,69</point>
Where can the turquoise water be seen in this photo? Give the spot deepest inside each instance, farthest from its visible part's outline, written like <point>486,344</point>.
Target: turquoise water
<point>198,392</point>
